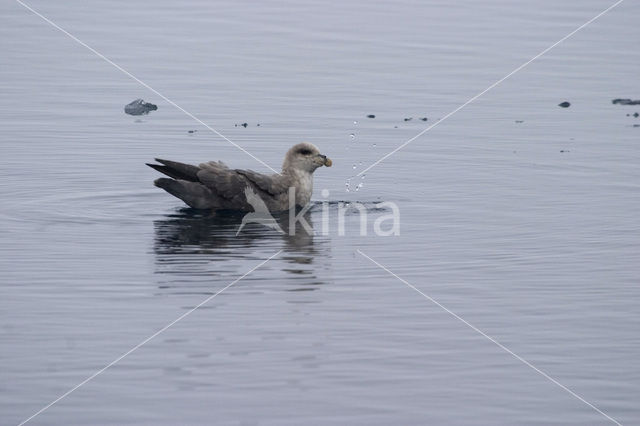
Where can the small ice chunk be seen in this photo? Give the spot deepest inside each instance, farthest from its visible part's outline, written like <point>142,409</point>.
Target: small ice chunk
<point>139,107</point>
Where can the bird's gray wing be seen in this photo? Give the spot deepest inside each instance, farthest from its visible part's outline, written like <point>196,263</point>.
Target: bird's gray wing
<point>273,184</point>
<point>224,182</point>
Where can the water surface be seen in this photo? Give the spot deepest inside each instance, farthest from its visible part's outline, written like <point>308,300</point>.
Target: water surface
<point>528,230</point>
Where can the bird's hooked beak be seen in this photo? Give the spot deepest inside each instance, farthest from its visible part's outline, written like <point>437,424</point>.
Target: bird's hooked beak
<point>326,161</point>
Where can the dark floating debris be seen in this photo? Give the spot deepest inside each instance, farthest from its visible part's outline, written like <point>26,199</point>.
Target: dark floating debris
<point>563,150</point>
<point>424,118</point>
<point>243,125</point>
<point>408,119</point>
<point>625,101</point>
<point>371,116</point>
<point>636,115</point>
<point>139,107</point>
<point>564,104</point>
<point>191,131</point>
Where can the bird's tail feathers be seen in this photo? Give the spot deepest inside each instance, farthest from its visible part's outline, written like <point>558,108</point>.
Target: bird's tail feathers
<point>176,170</point>
<point>194,194</point>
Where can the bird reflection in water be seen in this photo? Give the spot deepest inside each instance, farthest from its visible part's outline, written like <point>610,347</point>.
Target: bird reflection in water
<point>192,246</point>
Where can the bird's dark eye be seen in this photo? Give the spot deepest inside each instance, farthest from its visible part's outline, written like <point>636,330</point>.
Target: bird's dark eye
<point>305,151</point>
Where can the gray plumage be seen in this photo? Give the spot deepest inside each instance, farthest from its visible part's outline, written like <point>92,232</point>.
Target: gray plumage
<point>215,186</point>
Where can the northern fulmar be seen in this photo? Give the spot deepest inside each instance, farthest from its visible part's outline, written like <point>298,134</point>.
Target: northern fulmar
<point>215,186</point>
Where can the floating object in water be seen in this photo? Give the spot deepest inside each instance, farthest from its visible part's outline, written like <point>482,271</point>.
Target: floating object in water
<point>636,115</point>
<point>191,131</point>
<point>139,107</point>
<point>424,119</point>
<point>625,101</point>
<point>408,119</point>
<point>371,116</point>
<point>519,121</point>
<point>564,104</point>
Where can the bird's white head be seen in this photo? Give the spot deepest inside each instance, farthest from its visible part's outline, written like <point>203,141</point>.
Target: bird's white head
<point>304,157</point>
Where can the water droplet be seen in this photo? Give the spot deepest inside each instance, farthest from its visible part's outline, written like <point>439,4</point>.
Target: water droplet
<point>355,123</point>
<point>354,167</point>
<point>374,145</point>
<point>353,136</point>
<point>361,163</point>
<point>347,184</point>
<point>360,185</point>
<point>362,177</point>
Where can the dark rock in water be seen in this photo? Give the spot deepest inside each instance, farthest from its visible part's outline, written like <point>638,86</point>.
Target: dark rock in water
<point>564,104</point>
<point>371,116</point>
<point>424,119</point>
<point>139,107</point>
<point>625,101</point>
<point>408,119</point>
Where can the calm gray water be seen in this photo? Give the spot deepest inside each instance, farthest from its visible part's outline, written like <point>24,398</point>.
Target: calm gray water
<point>529,231</point>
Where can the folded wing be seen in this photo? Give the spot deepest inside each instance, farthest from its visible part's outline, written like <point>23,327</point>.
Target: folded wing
<point>214,185</point>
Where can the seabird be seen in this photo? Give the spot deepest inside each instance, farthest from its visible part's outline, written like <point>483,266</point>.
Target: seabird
<point>215,186</point>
